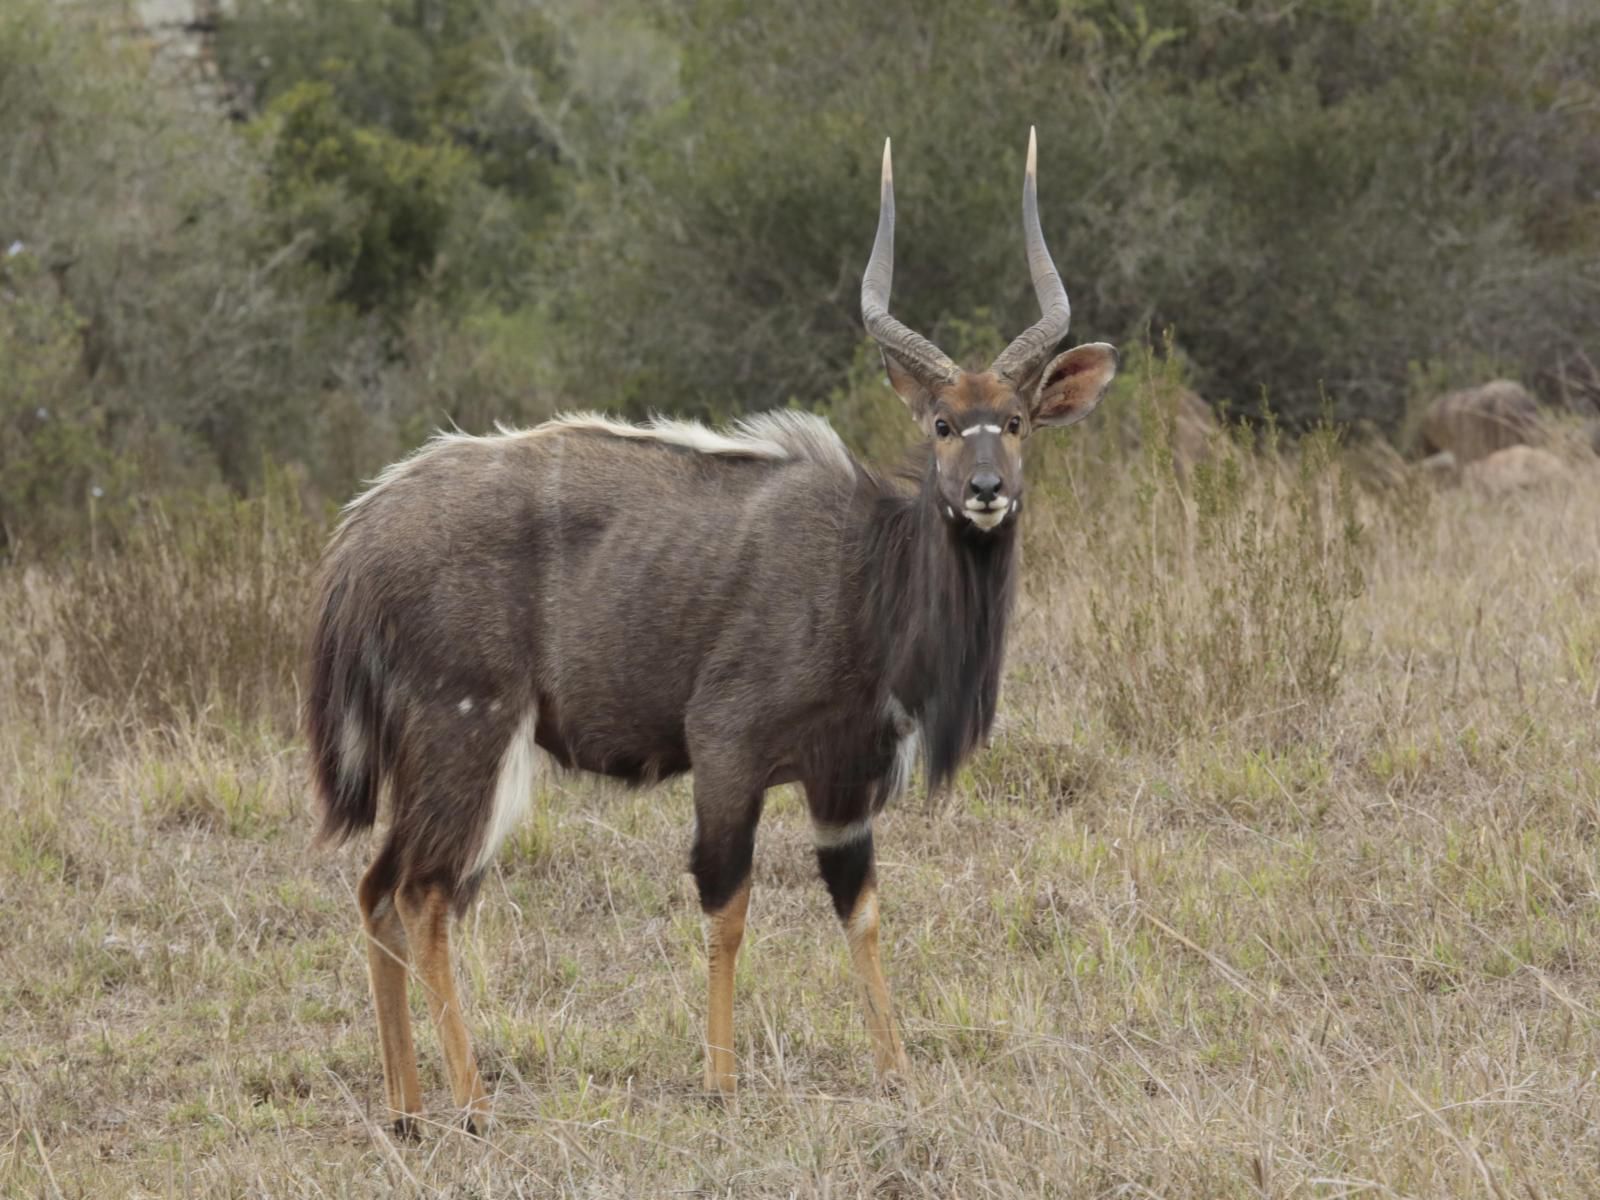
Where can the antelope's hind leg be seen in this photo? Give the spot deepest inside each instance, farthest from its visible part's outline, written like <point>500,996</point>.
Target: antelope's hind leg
<point>724,845</point>
<point>846,859</point>
<point>425,911</point>
<point>388,966</point>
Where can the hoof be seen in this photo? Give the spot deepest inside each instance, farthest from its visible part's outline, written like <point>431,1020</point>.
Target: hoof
<point>893,1083</point>
<point>894,1076</point>
<point>477,1124</point>
<point>405,1129</point>
<point>721,1090</point>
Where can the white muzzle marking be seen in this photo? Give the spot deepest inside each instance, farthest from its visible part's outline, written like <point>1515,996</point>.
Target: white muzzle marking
<point>987,514</point>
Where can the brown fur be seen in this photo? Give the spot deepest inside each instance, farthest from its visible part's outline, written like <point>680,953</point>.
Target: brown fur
<point>642,599</point>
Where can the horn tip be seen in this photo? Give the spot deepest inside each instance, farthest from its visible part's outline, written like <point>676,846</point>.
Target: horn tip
<point>888,167</point>
<point>1033,151</point>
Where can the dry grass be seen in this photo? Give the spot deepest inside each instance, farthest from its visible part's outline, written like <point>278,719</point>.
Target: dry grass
<point>1354,953</point>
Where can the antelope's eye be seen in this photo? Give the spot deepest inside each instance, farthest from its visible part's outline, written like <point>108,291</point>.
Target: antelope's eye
<point>942,427</point>
<point>1014,425</point>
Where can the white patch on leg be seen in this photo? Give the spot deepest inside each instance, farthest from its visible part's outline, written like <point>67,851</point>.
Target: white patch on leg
<point>465,706</point>
<point>513,790</point>
<point>830,837</point>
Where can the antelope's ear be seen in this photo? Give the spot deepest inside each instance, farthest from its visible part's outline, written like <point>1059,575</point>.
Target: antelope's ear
<point>1071,386</point>
<point>908,387</point>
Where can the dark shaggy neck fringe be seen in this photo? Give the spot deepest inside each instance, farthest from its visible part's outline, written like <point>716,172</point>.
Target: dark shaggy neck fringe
<point>936,607</point>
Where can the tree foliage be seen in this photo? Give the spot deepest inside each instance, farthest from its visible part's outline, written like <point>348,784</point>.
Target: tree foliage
<point>373,209</point>
<point>417,212</point>
<point>1313,197</point>
<point>195,348</point>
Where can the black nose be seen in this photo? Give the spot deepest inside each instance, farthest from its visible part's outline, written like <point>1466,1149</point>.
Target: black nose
<point>985,485</point>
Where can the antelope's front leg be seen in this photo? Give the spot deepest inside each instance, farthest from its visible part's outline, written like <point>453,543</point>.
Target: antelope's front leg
<point>845,857</point>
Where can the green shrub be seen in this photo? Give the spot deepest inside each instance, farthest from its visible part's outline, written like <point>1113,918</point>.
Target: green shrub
<point>198,347</point>
<point>53,449</point>
<point>373,208</point>
<point>420,73</point>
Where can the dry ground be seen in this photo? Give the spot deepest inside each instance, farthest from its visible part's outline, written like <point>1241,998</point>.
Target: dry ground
<point>1341,943</point>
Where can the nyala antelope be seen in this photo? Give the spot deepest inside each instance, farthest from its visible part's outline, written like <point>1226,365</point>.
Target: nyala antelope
<point>642,600</point>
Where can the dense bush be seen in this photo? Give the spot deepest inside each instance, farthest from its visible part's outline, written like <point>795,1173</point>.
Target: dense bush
<point>195,352</point>
<point>50,451</point>
<point>419,72</point>
<point>374,210</point>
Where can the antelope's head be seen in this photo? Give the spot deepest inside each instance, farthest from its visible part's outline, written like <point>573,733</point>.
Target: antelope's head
<point>979,420</point>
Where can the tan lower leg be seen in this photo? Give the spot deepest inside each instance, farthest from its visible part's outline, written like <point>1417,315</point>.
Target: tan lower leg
<point>387,969</point>
<point>427,922</point>
<point>862,932</point>
<point>386,964</point>
<point>722,951</point>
